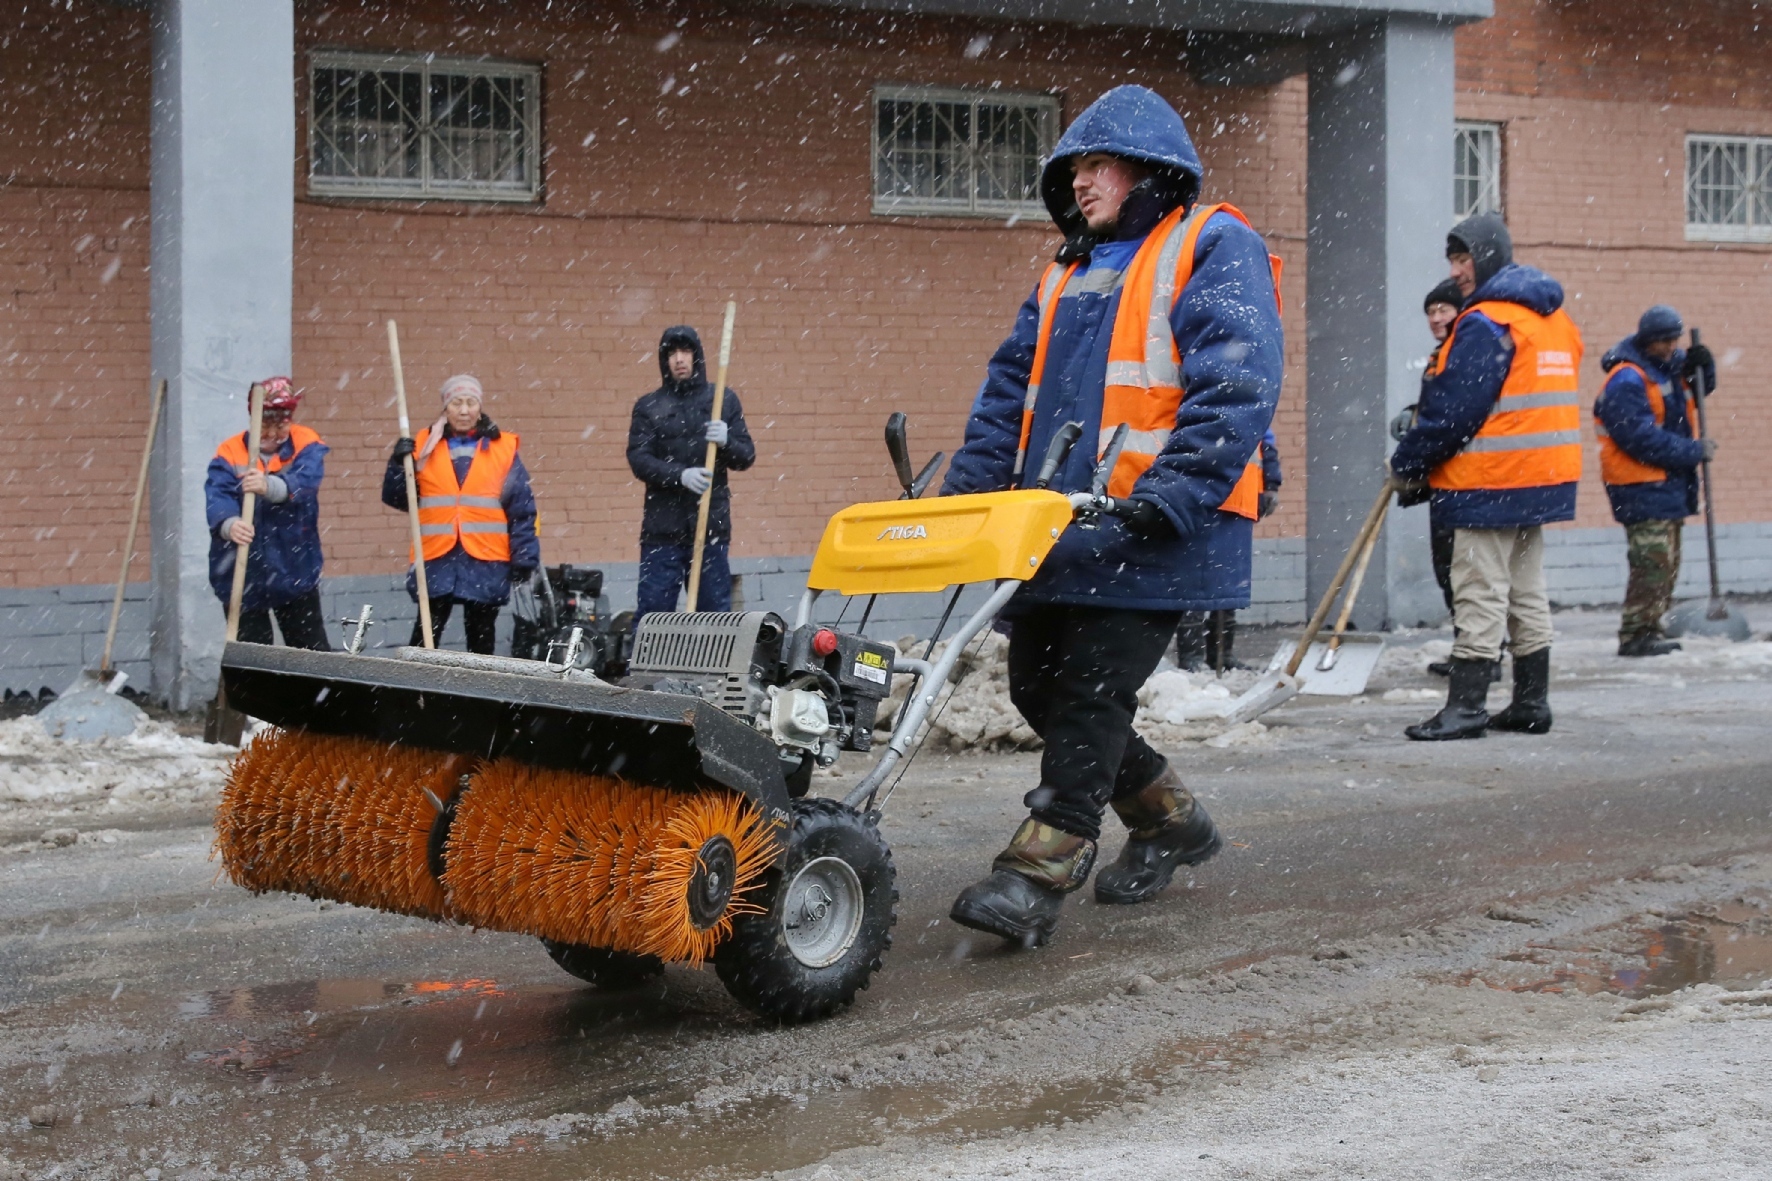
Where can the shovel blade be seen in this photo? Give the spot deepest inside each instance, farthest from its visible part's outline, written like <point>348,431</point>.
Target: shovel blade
<point>1347,673</point>
<point>1273,690</point>
<point>1708,617</point>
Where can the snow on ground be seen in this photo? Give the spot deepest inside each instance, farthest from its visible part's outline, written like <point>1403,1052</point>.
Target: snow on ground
<point>154,764</point>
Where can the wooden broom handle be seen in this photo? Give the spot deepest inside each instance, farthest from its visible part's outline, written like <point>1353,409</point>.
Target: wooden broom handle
<point>135,516</point>
<point>1354,584</point>
<point>1370,525</point>
<point>707,496</point>
<point>418,541</point>
<point>248,503</point>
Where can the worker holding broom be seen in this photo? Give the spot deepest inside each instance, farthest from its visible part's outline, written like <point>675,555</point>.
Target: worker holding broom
<point>1497,438</point>
<point>1162,315</point>
<point>476,514</point>
<point>283,570</point>
<point>667,450</point>
<point>1649,459</point>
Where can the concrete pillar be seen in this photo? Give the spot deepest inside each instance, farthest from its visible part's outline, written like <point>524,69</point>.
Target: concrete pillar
<point>1379,204</point>
<point>222,177</point>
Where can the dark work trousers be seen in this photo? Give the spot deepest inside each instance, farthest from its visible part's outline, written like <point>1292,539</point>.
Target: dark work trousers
<point>664,571</point>
<point>1439,540</point>
<point>479,620</point>
<point>301,621</point>
<point>1074,673</point>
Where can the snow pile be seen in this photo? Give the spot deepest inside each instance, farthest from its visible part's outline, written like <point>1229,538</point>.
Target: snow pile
<point>154,763</point>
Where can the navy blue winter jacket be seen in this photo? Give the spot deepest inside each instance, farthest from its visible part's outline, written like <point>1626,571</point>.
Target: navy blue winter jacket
<point>1227,326</point>
<point>1623,409</point>
<point>1455,404</point>
<point>285,560</point>
<point>458,574</point>
<point>668,432</point>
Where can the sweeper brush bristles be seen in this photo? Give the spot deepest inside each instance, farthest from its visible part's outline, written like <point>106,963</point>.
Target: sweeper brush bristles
<point>338,818</point>
<point>596,861</point>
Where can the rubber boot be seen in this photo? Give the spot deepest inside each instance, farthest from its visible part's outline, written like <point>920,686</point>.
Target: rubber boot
<point>1021,898</point>
<point>1465,715</point>
<point>1190,642</point>
<point>1165,828</point>
<point>1220,656</point>
<point>1530,711</point>
<point>1646,644</point>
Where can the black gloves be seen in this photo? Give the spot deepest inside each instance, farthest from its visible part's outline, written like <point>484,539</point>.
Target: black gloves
<point>403,448</point>
<point>1266,505</point>
<point>520,575</point>
<point>1144,519</point>
<point>1699,359</point>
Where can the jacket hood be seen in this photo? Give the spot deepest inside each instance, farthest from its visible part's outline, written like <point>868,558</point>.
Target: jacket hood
<point>1629,350</point>
<point>1486,239</point>
<point>1527,286</point>
<point>681,336</point>
<point>1130,121</point>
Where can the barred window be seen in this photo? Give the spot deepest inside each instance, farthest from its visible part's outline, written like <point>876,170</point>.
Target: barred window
<point>959,152</point>
<point>1729,188</point>
<point>1476,168</point>
<point>420,126</point>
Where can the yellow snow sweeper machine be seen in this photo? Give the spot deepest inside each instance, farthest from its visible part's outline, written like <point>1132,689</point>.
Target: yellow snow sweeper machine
<point>665,819</point>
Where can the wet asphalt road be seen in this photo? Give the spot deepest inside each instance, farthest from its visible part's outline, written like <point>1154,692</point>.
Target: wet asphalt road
<point>171,1012</point>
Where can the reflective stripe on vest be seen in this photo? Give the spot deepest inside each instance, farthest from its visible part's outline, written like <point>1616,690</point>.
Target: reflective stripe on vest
<point>233,450</point>
<point>1615,466</point>
<point>472,512</point>
<point>1143,381</point>
<point>1532,437</point>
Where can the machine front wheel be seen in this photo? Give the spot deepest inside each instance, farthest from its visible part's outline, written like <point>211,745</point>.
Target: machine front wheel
<point>607,969</point>
<point>832,906</point>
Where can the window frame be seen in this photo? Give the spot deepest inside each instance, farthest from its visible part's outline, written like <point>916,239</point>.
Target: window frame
<point>1497,131</point>
<point>882,205</point>
<point>1759,149</point>
<point>428,186</point>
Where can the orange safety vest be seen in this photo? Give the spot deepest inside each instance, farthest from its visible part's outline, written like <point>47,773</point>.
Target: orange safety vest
<point>1615,466</point>
<point>470,512</point>
<point>1144,363</point>
<point>233,450</point>
<point>1532,437</point>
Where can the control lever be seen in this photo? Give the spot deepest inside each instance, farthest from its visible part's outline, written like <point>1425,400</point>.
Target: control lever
<point>1056,451</point>
<point>899,447</point>
<point>354,645</point>
<point>925,477</point>
<point>1089,507</point>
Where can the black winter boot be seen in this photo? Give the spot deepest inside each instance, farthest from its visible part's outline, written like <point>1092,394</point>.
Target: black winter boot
<point>1021,898</point>
<point>1190,642</point>
<point>1466,714</point>
<point>1530,711</point>
<point>1221,642</point>
<point>1166,827</point>
<point>1646,644</point>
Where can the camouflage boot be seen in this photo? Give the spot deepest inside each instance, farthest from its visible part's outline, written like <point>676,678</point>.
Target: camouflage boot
<point>1021,898</point>
<point>1166,827</point>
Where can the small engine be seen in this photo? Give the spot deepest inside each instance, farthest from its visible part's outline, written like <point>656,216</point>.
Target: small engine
<point>814,691</point>
<point>556,601</point>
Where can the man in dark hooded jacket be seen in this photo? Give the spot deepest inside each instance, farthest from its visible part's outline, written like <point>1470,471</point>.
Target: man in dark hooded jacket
<point>1649,459</point>
<point>1195,376</point>
<point>667,449</point>
<point>1498,439</point>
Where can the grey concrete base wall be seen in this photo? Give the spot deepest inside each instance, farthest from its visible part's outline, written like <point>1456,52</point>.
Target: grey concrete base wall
<point>1586,567</point>
<point>48,634</point>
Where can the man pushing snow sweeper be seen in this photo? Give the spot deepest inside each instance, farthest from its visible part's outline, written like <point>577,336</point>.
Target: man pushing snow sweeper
<point>1161,314</point>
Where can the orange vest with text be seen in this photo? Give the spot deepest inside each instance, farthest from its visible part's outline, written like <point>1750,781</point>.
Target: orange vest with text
<point>233,449</point>
<point>472,512</point>
<point>1144,387</point>
<point>1615,466</point>
<point>1532,437</point>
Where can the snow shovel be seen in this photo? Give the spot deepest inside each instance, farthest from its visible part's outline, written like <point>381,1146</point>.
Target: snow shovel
<point>1342,665</point>
<point>1715,618</point>
<point>225,724</point>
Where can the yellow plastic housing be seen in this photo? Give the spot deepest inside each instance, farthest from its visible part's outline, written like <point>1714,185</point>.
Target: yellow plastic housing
<point>910,546</point>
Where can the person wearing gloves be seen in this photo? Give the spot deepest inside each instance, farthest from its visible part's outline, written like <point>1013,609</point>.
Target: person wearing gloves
<point>1649,457</point>
<point>1497,440</point>
<point>476,514</point>
<point>668,439</point>
<point>1161,314</point>
<point>283,565</point>
<point>1208,639</point>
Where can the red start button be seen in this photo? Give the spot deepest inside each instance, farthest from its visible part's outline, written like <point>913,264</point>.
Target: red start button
<point>824,641</point>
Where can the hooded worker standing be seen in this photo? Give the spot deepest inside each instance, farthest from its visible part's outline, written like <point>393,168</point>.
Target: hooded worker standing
<point>1649,457</point>
<point>667,449</point>
<point>284,563</point>
<point>1497,438</point>
<point>476,514</point>
<point>1161,314</point>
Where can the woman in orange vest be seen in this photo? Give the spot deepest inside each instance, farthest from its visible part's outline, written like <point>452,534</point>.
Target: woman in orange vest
<point>1497,438</point>
<point>476,513</point>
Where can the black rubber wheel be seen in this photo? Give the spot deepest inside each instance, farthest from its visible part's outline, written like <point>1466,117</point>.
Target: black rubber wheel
<point>832,906</point>
<point>607,969</point>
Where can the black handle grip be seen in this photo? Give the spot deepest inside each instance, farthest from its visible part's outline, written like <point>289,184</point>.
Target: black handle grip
<point>1062,441</point>
<point>924,477</point>
<point>899,447</point>
<point>1104,471</point>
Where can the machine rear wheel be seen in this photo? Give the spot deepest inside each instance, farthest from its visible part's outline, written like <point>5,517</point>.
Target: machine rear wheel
<point>832,906</point>
<point>612,970</point>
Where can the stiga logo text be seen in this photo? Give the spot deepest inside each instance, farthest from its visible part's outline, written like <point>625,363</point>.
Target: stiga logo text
<point>902,533</point>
